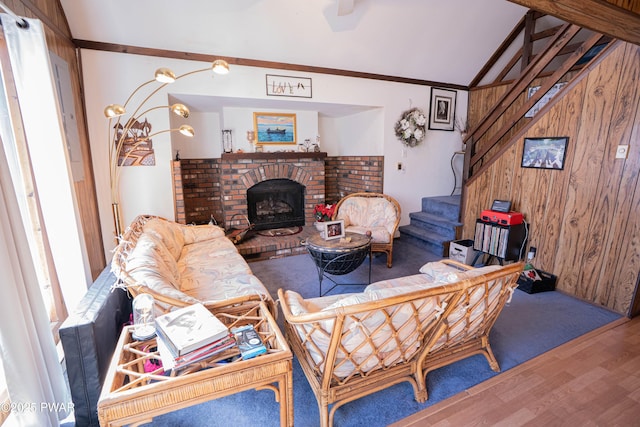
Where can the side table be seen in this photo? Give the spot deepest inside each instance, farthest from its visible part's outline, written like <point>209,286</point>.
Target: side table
<point>339,256</point>
<point>131,396</point>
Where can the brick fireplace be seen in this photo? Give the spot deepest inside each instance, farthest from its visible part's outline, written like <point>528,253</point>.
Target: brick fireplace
<point>241,171</point>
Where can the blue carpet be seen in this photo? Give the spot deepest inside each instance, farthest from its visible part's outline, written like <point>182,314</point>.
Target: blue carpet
<point>530,325</point>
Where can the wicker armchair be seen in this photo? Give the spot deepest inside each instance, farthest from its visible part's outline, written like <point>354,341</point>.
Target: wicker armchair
<point>374,212</point>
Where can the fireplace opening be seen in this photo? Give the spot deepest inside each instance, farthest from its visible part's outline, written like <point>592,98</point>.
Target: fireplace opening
<point>276,203</point>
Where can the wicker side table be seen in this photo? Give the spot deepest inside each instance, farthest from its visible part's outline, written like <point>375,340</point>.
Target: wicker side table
<point>131,396</point>
<point>339,257</point>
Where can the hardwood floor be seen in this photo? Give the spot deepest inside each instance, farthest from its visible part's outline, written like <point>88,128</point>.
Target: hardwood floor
<point>593,380</point>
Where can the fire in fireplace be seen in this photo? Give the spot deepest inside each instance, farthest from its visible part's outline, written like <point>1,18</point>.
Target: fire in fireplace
<point>276,203</point>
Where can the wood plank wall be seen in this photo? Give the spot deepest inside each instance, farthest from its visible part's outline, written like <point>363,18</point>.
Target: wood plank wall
<point>59,41</point>
<point>584,219</point>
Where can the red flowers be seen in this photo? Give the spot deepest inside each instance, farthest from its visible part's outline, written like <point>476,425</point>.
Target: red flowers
<point>323,212</point>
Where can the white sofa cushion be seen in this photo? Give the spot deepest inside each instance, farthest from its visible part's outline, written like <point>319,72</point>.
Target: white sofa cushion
<point>166,232</point>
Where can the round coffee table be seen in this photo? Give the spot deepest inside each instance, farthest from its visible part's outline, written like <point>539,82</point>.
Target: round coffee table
<point>339,256</point>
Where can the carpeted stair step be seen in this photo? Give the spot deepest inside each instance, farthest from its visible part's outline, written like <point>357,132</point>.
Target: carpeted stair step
<point>445,207</point>
<point>428,240</point>
<point>435,224</point>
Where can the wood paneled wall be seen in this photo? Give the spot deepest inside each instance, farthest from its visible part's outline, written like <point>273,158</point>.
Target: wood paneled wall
<point>584,220</point>
<point>59,41</point>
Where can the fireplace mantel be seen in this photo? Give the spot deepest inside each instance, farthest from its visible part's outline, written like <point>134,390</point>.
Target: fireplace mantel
<point>289,155</point>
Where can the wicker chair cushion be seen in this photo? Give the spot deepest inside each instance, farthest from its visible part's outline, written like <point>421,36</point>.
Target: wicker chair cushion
<point>436,274</point>
<point>370,213</point>
<point>478,299</point>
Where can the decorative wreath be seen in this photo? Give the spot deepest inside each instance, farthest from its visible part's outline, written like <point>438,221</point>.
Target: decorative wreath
<point>410,128</point>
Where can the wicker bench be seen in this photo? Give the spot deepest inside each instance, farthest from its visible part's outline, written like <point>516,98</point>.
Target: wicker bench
<point>398,330</point>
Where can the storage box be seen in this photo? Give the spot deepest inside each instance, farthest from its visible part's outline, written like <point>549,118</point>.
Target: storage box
<point>547,282</point>
<point>462,251</point>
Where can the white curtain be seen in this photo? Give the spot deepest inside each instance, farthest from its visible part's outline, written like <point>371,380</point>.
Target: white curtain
<point>35,380</point>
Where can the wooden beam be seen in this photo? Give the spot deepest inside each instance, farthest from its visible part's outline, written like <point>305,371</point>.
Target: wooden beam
<point>596,15</point>
<point>163,53</point>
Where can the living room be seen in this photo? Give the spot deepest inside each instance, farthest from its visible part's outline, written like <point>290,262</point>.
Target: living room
<point>352,116</point>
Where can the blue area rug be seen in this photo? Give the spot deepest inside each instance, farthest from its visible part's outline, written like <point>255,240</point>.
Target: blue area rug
<point>530,325</point>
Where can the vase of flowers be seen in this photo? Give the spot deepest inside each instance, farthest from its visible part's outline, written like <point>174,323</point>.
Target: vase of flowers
<point>323,212</point>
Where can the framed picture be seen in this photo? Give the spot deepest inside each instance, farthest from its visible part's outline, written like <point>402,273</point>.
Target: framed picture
<point>288,86</point>
<point>544,153</point>
<point>442,109</point>
<point>274,128</point>
<point>333,229</point>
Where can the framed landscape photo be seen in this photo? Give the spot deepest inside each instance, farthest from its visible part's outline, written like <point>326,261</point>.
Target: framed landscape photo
<point>274,128</point>
<point>442,109</point>
<point>545,153</point>
<point>333,229</point>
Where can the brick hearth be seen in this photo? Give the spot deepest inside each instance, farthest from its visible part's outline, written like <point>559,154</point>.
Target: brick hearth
<point>259,248</point>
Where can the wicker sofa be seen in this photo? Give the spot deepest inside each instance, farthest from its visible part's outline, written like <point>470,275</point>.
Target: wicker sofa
<point>375,213</point>
<point>397,330</point>
<point>185,264</point>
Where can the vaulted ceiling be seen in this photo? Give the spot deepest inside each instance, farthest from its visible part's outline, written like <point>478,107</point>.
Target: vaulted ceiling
<point>426,40</point>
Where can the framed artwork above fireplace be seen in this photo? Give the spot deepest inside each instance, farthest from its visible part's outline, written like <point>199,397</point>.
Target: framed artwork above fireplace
<point>274,128</point>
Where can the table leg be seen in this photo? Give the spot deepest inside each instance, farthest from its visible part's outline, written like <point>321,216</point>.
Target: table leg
<point>285,385</point>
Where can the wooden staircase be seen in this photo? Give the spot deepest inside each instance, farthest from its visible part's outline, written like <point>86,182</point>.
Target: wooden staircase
<point>567,55</point>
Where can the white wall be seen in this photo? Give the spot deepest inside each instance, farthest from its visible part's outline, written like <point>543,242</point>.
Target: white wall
<point>111,77</point>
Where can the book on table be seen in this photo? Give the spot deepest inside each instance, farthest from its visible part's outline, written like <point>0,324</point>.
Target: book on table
<point>171,362</point>
<point>189,328</point>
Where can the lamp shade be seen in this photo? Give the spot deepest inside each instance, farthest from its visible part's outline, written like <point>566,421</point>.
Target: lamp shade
<point>114,110</point>
<point>187,130</point>
<point>220,66</point>
<point>180,110</point>
<point>165,75</point>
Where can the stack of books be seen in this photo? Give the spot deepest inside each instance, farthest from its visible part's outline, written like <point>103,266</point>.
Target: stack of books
<point>189,335</point>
